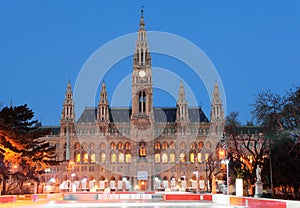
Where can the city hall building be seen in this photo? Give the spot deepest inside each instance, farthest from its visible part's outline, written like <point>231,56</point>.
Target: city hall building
<point>141,147</point>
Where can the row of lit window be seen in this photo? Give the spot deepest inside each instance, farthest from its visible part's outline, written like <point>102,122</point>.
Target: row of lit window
<point>159,157</point>
<point>157,145</point>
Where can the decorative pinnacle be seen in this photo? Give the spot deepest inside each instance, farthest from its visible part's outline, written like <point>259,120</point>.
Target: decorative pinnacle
<point>142,12</point>
<point>142,23</point>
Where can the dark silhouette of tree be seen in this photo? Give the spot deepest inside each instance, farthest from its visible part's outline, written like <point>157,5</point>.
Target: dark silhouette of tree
<point>23,155</point>
<point>280,118</point>
<point>247,148</point>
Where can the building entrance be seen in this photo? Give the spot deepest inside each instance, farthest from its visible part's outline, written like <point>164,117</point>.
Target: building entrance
<point>142,185</point>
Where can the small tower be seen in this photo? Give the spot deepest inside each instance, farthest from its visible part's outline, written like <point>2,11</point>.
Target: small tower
<point>217,113</point>
<point>217,119</point>
<point>182,113</point>
<point>102,111</point>
<point>67,122</point>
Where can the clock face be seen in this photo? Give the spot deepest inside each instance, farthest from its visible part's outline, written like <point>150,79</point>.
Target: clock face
<point>142,73</point>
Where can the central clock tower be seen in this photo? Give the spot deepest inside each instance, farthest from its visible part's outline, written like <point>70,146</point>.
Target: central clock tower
<point>142,107</point>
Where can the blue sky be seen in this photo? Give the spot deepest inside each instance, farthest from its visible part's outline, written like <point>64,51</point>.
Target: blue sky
<point>254,46</point>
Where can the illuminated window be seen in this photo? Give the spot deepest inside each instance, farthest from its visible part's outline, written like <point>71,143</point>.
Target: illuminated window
<point>157,158</point>
<point>113,158</point>
<point>199,157</point>
<point>102,157</point>
<point>120,146</point>
<point>85,157</point>
<point>182,157</point>
<point>142,151</point>
<point>127,146</point>
<point>128,157</point>
<point>78,157</point>
<point>77,146</point>
<point>193,145</point>
<point>200,145</point>
<point>121,157</point>
<point>93,158</point>
<point>206,156</point>
<point>192,157</point>
<point>165,146</point>
<point>172,157</point>
<point>164,158</point>
<point>157,146</point>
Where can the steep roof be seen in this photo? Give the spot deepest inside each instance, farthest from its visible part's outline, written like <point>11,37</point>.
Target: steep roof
<point>163,114</point>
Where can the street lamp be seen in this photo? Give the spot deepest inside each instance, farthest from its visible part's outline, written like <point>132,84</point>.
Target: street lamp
<point>226,162</point>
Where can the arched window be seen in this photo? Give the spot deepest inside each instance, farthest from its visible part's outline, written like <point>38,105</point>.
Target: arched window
<point>157,157</point>
<point>200,145</point>
<point>193,145</point>
<point>200,157</point>
<point>165,158</point>
<point>102,157</point>
<point>142,101</point>
<point>182,157</point>
<point>172,145</point>
<point>113,145</point>
<point>157,146</point>
<point>206,156</point>
<point>77,157</point>
<point>172,157</point>
<point>85,157</point>
<point>120,146</point>
<point>121,157</point>
<point>77,146</point>
<point>128,157</point>
<point>142,151</point>
<point>192,157</point>
<point>93,157</point>
<point>127,145</point>
<point>165,146</point>
<point>113,157</point>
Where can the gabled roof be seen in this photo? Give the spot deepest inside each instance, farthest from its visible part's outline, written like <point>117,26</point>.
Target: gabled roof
<point>164,114</point>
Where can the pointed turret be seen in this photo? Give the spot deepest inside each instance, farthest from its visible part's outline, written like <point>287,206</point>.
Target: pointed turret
<point>68,106</point>
<point>217,113</point>
<point>102,111</point>
<point>182,114</point>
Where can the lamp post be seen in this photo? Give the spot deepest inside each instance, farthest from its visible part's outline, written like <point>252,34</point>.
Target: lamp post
<point>206,184</point>
<point>226,162</point>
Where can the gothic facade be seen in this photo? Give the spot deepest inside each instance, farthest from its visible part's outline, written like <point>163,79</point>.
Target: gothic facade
<point>141,147</point>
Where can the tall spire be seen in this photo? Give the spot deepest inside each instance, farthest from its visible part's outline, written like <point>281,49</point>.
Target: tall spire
<point>142,107</point>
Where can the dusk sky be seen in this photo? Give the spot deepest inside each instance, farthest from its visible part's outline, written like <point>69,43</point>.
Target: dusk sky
<point>254,46</point>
